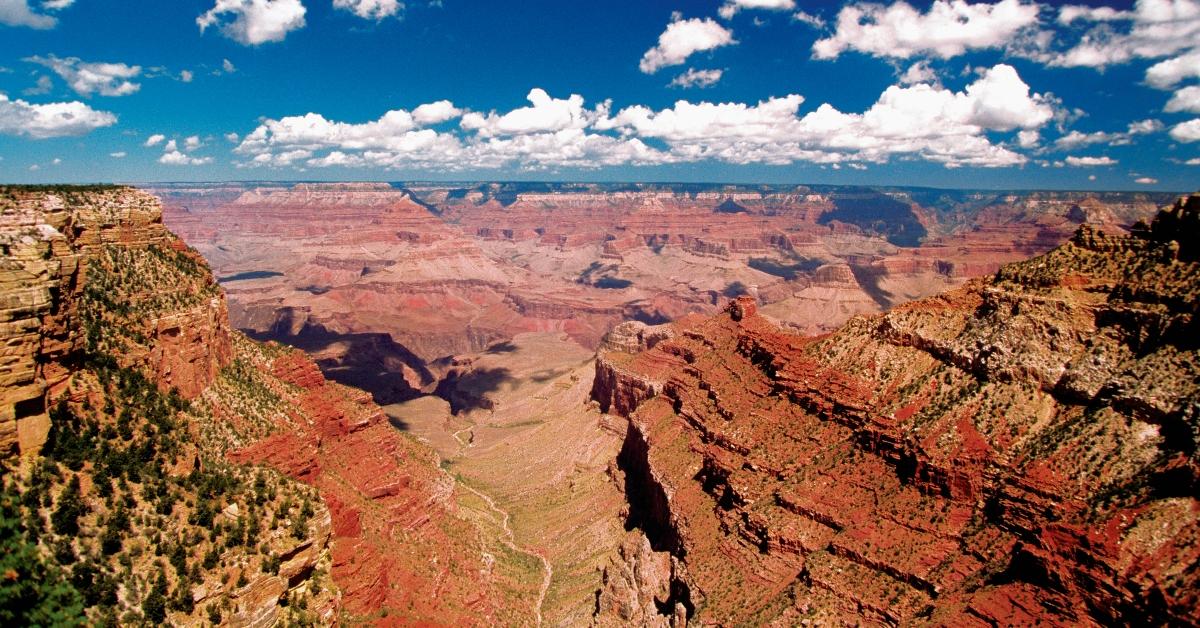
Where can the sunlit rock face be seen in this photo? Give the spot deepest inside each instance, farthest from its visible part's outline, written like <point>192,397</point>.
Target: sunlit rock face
<point>1020,449</point>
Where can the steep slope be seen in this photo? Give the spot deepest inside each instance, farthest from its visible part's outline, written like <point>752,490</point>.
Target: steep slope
<point>1022,449</point>
<point>132,421</point>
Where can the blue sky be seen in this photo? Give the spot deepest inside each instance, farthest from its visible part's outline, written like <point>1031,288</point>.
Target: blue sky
<point>1007,94</point>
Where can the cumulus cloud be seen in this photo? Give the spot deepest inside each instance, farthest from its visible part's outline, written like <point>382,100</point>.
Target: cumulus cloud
<point>174,155</point>
<point>919,72</point>
<point>176,158</point>
<point>920,121</point>
<point>106,79</point>
<point>1166,74</point>
<point>435,113</point>
<point>186,76</point>
<point>682,39</point>
<point>545,114</point>
<point>58,119</point>
<point>948,29</point>
<point>254,22</point>
<point>697,78</point>
<point>19,13</point>
<point>1153,29</point>
<point>932,123</point>
<point>1076,139</point>
<point>118,155</point>
<point>1089,161</point>
<point>1186,131</point>
<point>1186,99</point>
<point>371,9</point>
<point>731,7</point>
<point>1146,180</point>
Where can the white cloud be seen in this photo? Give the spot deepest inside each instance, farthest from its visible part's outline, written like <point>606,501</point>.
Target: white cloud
<point>917,122</point>
<point>191,143</point>
<point>232,138</point>
<point>186,76</point>
<point>18,13</point>
<point>697,78</point>
<point>371,9</point>
<point>56,161</point>
<point>1076,139</point>
<point>171,147</point>
<point>936,124</point>
<point>44,86</point>
<point>1028,138</point>
<point>59,119</point>
<point>57,5</point>
<point>1166,74</point>
<point>118,155</point>
<point>919,72</point>
<point>731,7</point>
<point>1146,180</point>
<point>546,114</point>
<point>435,113</point>
<point>154,140</point>
<point>1194,161</point>
<point>1186,99</point>
<point>1086,162</point>
<point>1186,131</point>
<point>808,18</point>
<point>254,22</point>
<point>1142,127</point>
<point>1155,29</point>
<point>176,158</point>
<point>1091,177</point>
<point>106,79</point>
<point>683,38</point>
<point>227,66</point>
<point>1073,12</point>
<point>948,29</point>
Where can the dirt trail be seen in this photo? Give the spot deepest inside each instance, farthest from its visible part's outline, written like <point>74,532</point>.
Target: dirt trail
<point>511,543</point>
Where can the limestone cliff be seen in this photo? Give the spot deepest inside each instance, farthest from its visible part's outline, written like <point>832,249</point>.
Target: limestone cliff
<point>1019,450</point>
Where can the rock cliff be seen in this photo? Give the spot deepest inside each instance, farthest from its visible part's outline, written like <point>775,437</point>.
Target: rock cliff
<point>159,467</point>
<point>1019,450</point>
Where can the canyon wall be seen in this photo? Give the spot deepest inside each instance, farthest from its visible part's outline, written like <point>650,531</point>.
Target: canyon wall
<point>384,284</point>
<point>1019,450</point>
<point>162,467</point>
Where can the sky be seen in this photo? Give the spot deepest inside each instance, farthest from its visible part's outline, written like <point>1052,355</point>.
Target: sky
<point>1011,94</point>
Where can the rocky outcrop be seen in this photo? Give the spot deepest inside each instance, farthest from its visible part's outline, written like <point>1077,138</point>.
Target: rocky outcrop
<point>49,241</point>
<point>1020,450</point>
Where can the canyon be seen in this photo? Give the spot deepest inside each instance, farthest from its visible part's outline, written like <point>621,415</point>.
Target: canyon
<point>610,404</point>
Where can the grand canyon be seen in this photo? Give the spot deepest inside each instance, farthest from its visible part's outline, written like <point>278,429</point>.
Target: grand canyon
<point>716,313</point>
<point>566,404</point>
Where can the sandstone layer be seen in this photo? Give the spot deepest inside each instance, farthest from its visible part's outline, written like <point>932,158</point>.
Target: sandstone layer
<point>1019,450</point>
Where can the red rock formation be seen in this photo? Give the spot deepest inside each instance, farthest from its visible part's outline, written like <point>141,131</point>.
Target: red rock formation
<point>397,543</point>
<point>1020,450</point>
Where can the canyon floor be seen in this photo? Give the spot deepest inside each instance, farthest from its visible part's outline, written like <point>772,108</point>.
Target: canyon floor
<point>536,456</point>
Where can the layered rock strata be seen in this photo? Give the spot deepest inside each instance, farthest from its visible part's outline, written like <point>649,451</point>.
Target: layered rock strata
<point>1020,450</point>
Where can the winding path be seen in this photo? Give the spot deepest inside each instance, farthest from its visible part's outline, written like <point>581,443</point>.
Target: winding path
<point>509,541</point>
